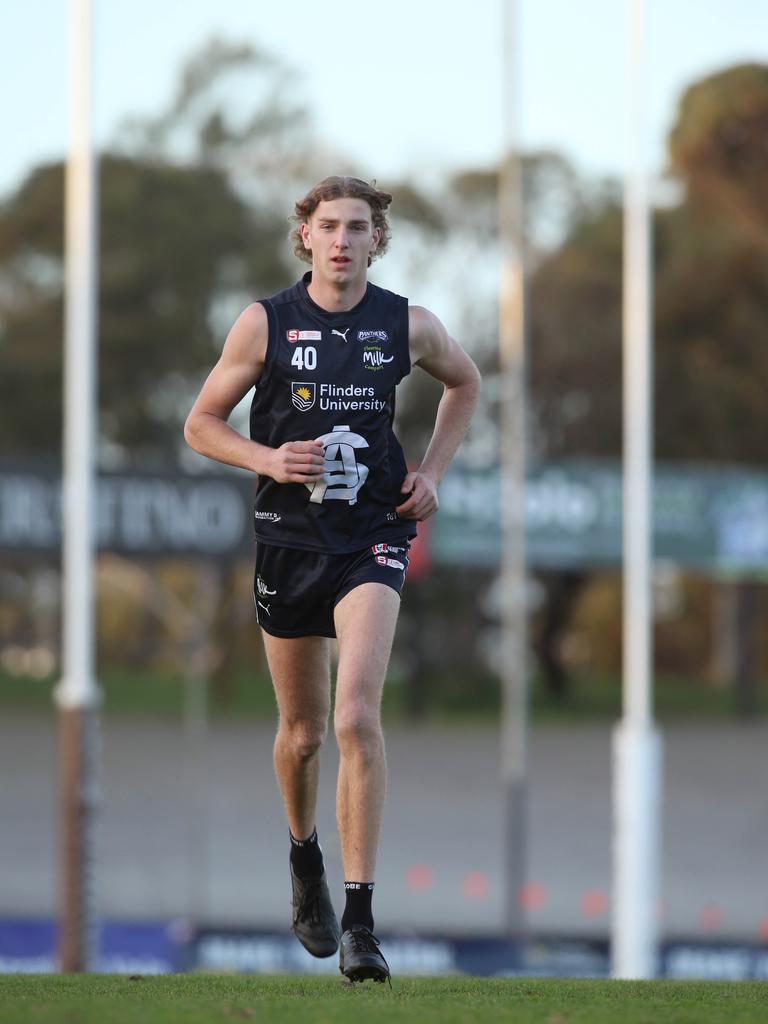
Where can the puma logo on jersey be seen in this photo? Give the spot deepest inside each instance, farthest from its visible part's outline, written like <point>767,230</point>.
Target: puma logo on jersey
<point>341,334</point>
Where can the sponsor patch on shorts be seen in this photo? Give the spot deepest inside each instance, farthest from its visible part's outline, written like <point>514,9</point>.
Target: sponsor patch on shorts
<point>382,549</point>
<point>391,562</point>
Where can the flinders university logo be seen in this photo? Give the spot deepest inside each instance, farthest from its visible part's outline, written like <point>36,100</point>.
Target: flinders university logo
<point>303,394</point>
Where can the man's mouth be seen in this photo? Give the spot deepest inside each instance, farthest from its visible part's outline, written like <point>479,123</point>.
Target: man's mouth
<point>341,260</point>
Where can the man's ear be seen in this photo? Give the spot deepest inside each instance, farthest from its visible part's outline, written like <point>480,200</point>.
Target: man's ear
<point>304,230</point>
<point>376,239</point>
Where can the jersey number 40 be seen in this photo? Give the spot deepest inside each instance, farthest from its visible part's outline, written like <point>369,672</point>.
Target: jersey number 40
<point>304,358</point>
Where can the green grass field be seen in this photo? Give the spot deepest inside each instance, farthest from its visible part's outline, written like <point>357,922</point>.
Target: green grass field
<point>209,999</point>
<point>594,697</point>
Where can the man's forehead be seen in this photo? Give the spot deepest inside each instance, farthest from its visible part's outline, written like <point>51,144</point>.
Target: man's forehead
<point>346,208</point>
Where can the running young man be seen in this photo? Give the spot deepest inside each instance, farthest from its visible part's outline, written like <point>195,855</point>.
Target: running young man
<point>335,512</point>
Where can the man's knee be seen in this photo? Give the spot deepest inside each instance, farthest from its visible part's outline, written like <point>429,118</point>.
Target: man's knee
<point>302,738</point>
<point>358,729</point>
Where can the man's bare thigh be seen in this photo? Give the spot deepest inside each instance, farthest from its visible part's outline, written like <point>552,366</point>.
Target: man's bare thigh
<point>365,625</point>
<point>301,674</point>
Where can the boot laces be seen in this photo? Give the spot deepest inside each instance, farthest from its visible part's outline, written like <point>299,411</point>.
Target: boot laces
<point>364,941</point>
<point>310,909</point>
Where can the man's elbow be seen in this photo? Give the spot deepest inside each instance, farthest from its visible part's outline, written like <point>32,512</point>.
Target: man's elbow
<point>190,433</point>
<point>472,382</point>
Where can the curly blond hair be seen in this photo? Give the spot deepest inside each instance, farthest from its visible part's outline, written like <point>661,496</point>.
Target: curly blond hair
<point>343,187</point>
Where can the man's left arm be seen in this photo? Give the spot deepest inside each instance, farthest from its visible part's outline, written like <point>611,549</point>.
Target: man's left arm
<point>435,351</point>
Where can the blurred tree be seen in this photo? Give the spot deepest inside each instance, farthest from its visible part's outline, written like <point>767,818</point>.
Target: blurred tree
<point>574,315</point>
<point>174,242</point>
<point>719,145</point>
<point>711,261</point>
<point>194,206</point>
<point>183,247</point>
<point>553,192</point>
<point>713,274</point>
<point>711,297</point>
<point>230,111</point>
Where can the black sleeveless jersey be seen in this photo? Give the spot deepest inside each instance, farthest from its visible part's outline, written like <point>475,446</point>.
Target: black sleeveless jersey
<point>332,377</point>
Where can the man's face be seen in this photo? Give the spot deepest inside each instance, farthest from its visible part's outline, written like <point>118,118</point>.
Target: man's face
<point>341,236</point>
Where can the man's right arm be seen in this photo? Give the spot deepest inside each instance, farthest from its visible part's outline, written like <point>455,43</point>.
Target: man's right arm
<point>239,368</point>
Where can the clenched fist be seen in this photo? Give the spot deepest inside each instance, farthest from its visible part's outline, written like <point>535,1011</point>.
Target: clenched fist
<point>296,462</point>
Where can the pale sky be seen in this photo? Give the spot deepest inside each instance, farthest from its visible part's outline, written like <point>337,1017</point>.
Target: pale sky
<point>403,86</point>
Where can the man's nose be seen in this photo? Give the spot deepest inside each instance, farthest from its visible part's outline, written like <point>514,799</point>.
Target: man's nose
<point>342,239</point>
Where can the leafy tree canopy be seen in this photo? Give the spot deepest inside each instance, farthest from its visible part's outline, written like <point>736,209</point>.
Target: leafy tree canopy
<point>711,284</point>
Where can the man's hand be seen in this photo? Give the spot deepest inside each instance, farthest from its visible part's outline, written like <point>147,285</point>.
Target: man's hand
<point>296,462</point>
<point>422,501</point>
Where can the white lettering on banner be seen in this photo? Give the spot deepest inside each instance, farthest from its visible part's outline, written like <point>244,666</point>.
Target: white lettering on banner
<point>30,512</point>
<point>553,500</point>
<point>158,514</point>
<point>344,475</point>
<point>131,514</point>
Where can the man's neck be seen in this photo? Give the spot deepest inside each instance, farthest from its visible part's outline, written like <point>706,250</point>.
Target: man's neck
<point>334,299</point>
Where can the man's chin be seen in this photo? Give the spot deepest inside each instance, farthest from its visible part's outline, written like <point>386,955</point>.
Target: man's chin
<point>344,275</point>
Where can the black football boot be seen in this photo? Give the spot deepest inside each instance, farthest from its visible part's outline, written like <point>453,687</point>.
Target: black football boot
<point>360,956</point>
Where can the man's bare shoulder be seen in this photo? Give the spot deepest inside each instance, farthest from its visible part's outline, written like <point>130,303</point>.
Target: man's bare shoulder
<point>248,337</point>
<point>425,332</point>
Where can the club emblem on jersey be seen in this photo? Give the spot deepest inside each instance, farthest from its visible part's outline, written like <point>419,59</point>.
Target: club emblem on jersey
<point>303,394</point>
<point>343,475</point>
<point>372,336</point>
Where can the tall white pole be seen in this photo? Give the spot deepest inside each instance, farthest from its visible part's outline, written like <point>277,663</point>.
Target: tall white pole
<point>514,708</point>
<point>77,694</point>
<point>637,745</point>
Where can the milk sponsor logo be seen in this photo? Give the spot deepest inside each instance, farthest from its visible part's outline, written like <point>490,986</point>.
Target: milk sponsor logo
<point>374,358</point>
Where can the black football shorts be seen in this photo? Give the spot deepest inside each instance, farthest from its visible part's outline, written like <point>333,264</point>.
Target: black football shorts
<point>295,592</point>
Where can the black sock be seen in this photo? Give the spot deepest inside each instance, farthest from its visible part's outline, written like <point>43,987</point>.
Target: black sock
<point>306,856</point>
<point>358,906</point>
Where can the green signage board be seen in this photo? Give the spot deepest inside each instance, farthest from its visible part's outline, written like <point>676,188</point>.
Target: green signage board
<point>714,519</point>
